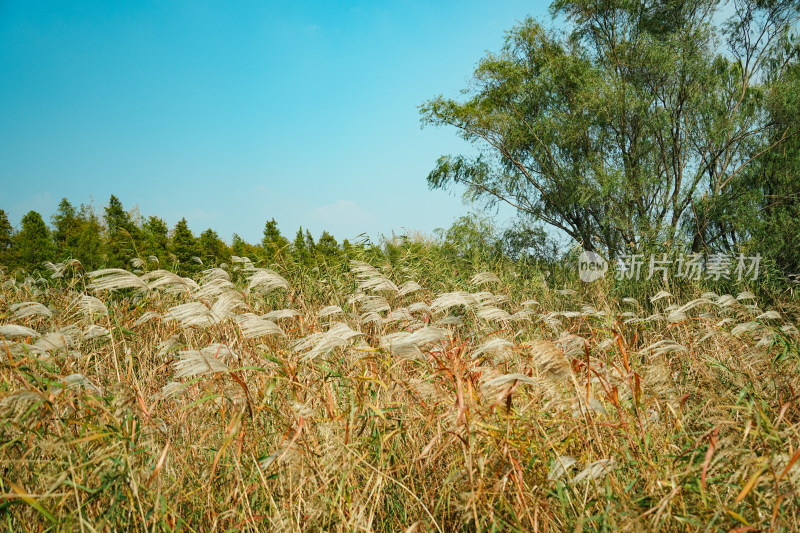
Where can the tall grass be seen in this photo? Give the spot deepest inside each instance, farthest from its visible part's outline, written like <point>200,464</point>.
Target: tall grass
<point>417,395</point>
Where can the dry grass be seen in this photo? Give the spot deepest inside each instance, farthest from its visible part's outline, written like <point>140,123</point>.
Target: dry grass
<point>257,400</point>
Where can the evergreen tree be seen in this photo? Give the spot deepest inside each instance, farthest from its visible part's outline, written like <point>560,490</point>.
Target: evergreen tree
<point>300,248</point>
<point>185,248</point>
<point>327,245</point>
<point>89,244</point>
<point>6,237</point>
<point>274,243</point>
<point>212,250</point>
<point>122,236</point>
<point>66,230</point>
<point>155,239</point>
<point>242,248</point>
<point>32,246</point>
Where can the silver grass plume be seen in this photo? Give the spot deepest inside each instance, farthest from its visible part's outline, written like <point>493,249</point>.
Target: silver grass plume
<point>323,342</point>
<point>484,277</point>
<point>197,362</point>
<point>254,326</point>
<point>74,382</point>
<point>91,306</point>
<point>663,347</point>
<point>162,278</point>
<point>109,279</point>
<point>374,304</point>
<point>595,470</point>
<point>560,466</point>
<point>191,314</point>
<point>51,342</point>
<point>13,331</point>
<point>370,279</point>
<point>408,287</point>
<point>660,295</point>
<point>405,343</point>
<point>265,281</point>
<point>212,288</point>
<point>401,314</point>
<point>27,309</point>
<point>226,303</point>
<point>419,307</point>
<point>147,317</point>
<point>493,314</point>
<point>452,299</point>
<point>19,405</point>
<point>450,320</point>
<point>94,331</point>
<point>745,328</point>
<point>487,298</point>
<point>549,360</point>
<point>498,344</point>
<point>329,310</point>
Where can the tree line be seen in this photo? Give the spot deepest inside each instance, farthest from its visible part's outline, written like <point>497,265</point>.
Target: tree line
<point>118,238</point>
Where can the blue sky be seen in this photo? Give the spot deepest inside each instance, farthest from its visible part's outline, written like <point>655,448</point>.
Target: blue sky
<point>231,113</point>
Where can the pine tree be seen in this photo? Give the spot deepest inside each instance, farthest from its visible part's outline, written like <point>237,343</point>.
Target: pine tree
<point>66,230</point>
<point>327,246</point>
<point>273,243</point>
<point>32,246</point>
<point>123,234</point>
<point>155,239</point>
<point>300,248</point>
<point>212,250</point>
<point>6,238</point>
<point>184,247</point>
<point>89,244</point>
<point>242,248</point>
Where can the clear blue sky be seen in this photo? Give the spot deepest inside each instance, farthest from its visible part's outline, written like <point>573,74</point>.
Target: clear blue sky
<point>231,113</point>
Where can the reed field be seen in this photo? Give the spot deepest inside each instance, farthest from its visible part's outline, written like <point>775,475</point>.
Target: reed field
<point>391,396</point>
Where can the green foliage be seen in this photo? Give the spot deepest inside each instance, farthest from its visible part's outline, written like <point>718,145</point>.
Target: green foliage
<point>32,245</point>
<point>275,245</point>
<point>631,132</point>
<point>89,245</point>
<point>327,246</point>
<point>212,250</point>
<point>6,238</point>
<point>122,237</point>
<point>300,247</point>
<point>155,240</point>
<point>242,248</point>
<point>66,230</point>
<point>185,248</point>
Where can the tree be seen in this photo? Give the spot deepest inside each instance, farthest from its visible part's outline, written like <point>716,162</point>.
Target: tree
<point>122,234</point>
<point>89,244</point>
<point>6,238</point>
<point>212,250</point>
<point>32,245</point>
<point>327,246</point>
<point>155,239</point>
<point>66,230</point>
<point>274,243</point>
<point>632,131</point>
<point>242,248</point>
<point>300,249</point>
<point>184,247</point>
